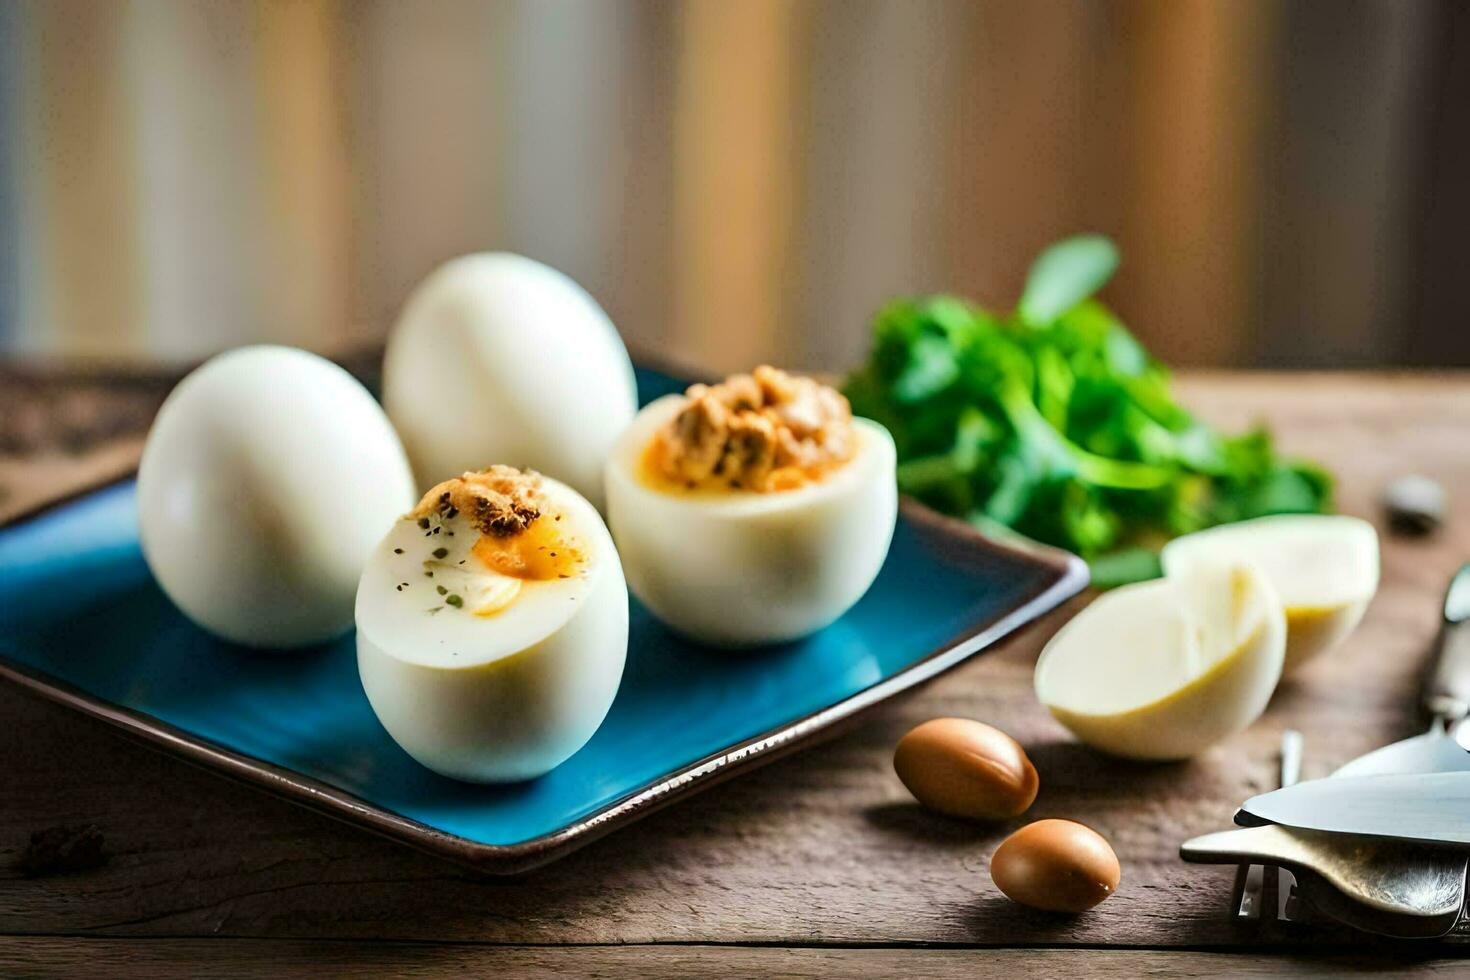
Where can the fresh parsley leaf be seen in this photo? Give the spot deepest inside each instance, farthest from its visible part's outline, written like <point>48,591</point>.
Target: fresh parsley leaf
<point>1058,425</point>
<point>1064,275</point>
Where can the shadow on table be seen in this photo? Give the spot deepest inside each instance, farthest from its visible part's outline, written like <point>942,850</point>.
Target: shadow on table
<point>993,914</point>
<point>1071,766</point>
<point>915,822</point>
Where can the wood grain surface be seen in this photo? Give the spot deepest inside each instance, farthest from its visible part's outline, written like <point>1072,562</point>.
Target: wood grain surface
<point>287,959</point>
<point>817,864</point>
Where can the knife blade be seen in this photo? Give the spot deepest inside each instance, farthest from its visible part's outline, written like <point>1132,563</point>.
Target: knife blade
<point>1434,751</point>
<point>1429,807</point>
<point>1446,696</point>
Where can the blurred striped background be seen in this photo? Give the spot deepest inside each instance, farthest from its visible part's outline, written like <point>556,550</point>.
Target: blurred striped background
<point>735,181</point>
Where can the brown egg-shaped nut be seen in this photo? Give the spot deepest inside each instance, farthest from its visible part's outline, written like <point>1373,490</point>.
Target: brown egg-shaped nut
<point>1056,865</point>
<point>966,769</point>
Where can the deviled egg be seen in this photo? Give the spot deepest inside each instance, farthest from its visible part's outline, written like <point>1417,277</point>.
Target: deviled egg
<point>492,626</point>
<point>757,510</point>
<point>500,358</point>
<point>265,482</point>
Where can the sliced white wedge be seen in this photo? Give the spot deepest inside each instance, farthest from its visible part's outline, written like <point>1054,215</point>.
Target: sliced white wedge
<point>1324,568</point>
<point>1164,669</point>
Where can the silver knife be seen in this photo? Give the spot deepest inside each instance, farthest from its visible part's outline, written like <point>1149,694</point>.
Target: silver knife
<point>1409,789</point>
<point>1446,697</point>
<point>1430,807</point>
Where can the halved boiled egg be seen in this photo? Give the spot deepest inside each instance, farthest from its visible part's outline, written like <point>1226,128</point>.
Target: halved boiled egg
<point>492,626</point>
<point>753,511</point>
<point>1323,566</point>
<point>1163,669</point>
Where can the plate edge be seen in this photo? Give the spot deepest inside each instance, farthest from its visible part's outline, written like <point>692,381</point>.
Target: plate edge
<point>1071,576</point>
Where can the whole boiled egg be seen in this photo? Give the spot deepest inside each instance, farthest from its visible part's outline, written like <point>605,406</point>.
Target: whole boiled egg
<point>498,358</point>
<point>264,485</point>
<point>757,510</point>
<point>492,626</point>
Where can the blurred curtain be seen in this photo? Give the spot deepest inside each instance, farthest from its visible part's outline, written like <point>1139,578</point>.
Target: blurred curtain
<point>734,181</point>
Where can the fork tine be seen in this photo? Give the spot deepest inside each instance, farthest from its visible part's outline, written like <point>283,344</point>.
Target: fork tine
<point>1246,900</point>
<point>1250,887</point>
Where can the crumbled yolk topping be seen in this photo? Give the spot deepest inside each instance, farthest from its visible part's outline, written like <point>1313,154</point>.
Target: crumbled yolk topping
<point>539,553</point>
<point>766,431</point>
<point>521,539</point>
<point>500,501</point>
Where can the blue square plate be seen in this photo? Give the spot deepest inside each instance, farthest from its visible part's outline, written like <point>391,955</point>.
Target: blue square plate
<point>82,622</point>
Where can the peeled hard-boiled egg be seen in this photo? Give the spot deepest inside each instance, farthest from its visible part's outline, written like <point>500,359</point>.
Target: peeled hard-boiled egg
<point>265,482</point>
<point>1164,669</point>
<point>1324,567</point>
<point>498,358</point>
<point>492,626</point>
<point>729,563</point>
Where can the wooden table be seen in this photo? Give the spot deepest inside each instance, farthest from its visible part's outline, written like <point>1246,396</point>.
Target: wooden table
<point>820,864</point>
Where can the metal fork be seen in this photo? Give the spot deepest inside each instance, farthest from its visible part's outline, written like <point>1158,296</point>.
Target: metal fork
<point>1250,879</point>
<point>1297,902</point>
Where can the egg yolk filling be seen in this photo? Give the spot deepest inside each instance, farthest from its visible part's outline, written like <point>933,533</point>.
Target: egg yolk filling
<point>520,540</point>
<point>766,431</point>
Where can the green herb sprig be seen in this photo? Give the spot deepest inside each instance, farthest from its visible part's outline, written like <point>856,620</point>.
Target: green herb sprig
<point>1054,422</point>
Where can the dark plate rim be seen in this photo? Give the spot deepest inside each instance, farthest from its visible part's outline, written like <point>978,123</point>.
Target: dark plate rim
<point>1069,575</point>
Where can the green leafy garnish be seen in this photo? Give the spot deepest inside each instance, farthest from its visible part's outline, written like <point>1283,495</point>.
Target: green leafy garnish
<point>1064,275</point>
<point>1055,423</point>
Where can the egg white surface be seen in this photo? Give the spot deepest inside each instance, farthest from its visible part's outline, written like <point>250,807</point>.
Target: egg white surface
<point>1164,669</point>
<point>1324,567</point>
<point>499,358</point>
<point>744,568</point>
<point>496,698</point>
<point>265,480</point>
